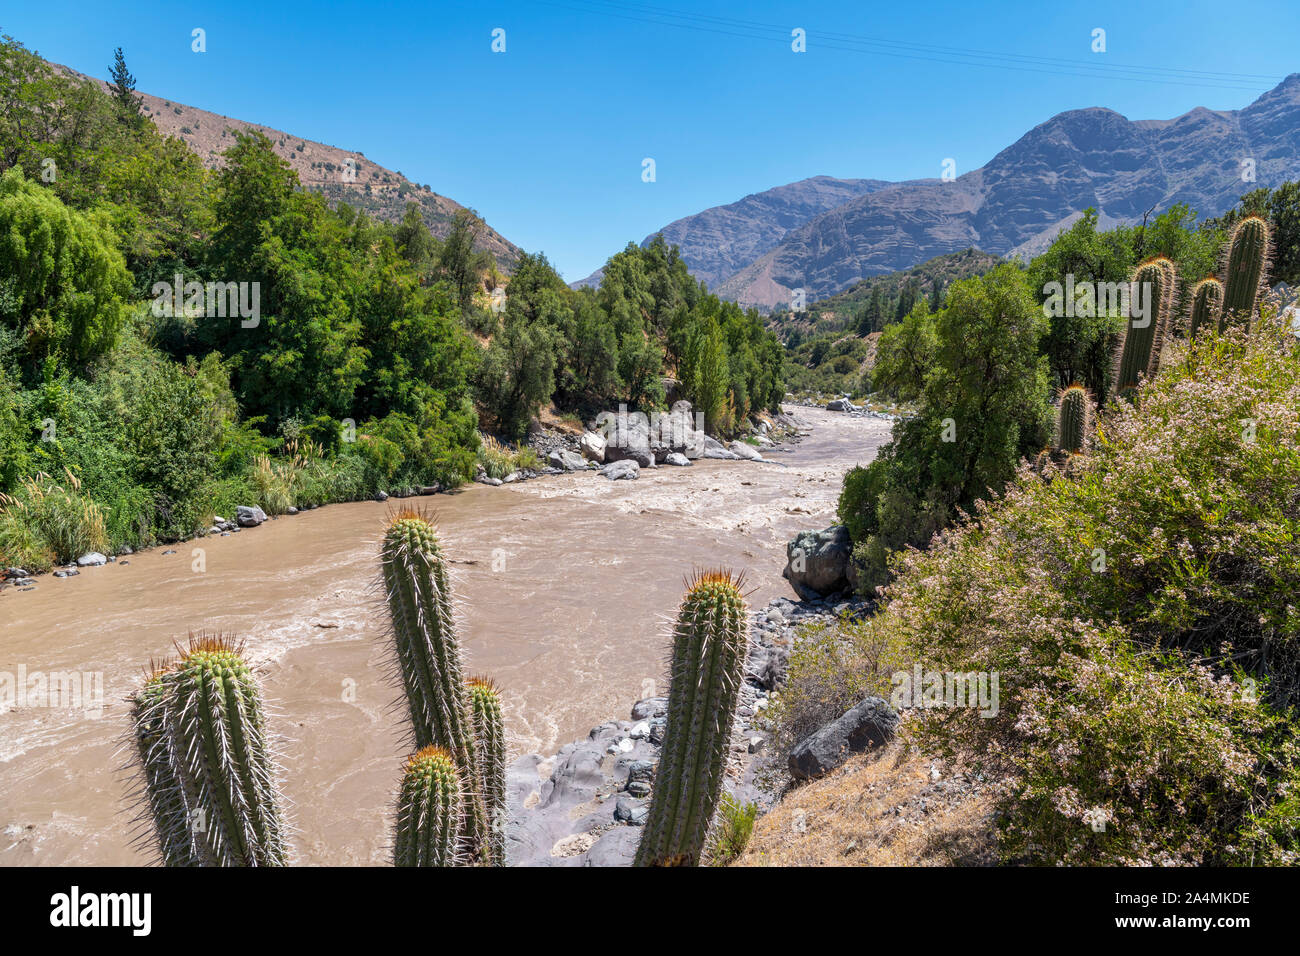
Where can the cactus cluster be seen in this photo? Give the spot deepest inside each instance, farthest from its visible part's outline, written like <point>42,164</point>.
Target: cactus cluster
<point>462,718</point>
<point>209,778</point>
<point>710,643</point>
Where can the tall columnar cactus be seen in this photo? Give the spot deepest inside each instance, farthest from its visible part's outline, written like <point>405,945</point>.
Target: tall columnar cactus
<point>1207,305</point>
<point>428,656</point>
<point>430,811</point>
<point>208,772</point>
<point>1073,419</point>
<point>490,741</point>
<point>710,642</point>
<point>1244,260</point>
<point>1138,350</point>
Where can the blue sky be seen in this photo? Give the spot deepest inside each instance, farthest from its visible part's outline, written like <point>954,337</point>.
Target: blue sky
<point>547,140</point>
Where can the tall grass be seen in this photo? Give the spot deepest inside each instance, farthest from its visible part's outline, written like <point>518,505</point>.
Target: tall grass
<point>43,523</point>
<point>499,460</point>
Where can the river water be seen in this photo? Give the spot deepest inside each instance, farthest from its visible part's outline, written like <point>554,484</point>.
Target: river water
<point>566,585</point>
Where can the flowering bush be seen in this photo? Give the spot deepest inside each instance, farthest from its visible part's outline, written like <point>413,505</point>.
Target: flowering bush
<point>1142,616</point>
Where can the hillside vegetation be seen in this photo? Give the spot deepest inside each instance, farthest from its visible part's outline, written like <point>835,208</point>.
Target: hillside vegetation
<point>176,340</point>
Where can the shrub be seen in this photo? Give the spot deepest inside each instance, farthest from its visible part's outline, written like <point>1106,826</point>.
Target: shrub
<point>732,828</point>
<point>831,668</point>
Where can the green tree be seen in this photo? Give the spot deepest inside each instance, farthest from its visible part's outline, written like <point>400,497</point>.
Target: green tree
<point>122,88</point>
<point>62,280</point>
<point>518,373</point>
<point>905,354</point>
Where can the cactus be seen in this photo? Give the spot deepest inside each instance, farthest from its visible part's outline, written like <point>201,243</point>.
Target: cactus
<point>430,811</point>
<point>1244,260</point>
<point>1073,419</point>
<point>490,741</point>
<point>1138,350</point>
<point>428,655</point>
<point>208,772</point>
<point>710,643</point>
<point>1207,305</point>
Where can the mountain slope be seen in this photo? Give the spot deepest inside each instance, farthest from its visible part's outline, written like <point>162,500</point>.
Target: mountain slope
<point>718,241</point>
<point>1029,191</point>
<point>383,193</point>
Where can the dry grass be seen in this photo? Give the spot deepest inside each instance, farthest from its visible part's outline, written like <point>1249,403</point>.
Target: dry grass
<point>888,810</point>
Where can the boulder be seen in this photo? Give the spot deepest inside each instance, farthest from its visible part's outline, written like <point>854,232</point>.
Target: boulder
<point>624,468</point>
<point>677,432</point>
<point>863,727</point>
<point>677,458</point>
<point>92,560</point>
<point>565,460</point>
<point>715,449</point>
<point>249,516</point>
<point>745,450</point>
<point>817,562</point>
<point>592,446</point>
<point>627,438</point>
<point>840,405</point>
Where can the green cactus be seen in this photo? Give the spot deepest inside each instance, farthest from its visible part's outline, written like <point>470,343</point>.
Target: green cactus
<point>1138,350</point>
<point>208,772</point>
<point>710,643</point>
<point>162,803</point>
<point>430,811</point>
<point>428,656</point>
<point>490,741</point>
<point>1207,305</point>
<point>1073,419</point>
<point>1244,260</point>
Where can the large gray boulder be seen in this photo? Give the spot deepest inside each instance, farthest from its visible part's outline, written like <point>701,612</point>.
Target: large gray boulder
<point>567,460</point>
<point>91,560</point>
<point>677,431</point>
<point>715,449</point>
<point>249,516</point>
<point>864,727</point>
<point>628,439</point>
<point>817,562</point>
<point>745,450</point>
<point>624,469</point>
<point>592,446</point>
<point>840,405</point>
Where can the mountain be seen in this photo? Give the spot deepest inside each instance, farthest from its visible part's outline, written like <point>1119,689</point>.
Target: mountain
<point>1027,193</point>
<point>717,242</point>
<point>383,193</point>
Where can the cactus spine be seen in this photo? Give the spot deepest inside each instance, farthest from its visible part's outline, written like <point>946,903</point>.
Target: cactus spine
<point>161,796</point>
<point>428,656</point>
<point>490,741</point>
<point>1073,419</point>
<point>1207,305</point>
<point>1138,350</point>
<point>209,775</point>
<point>710,642</point>
<point>430,811</point>
<point>1245,257</point>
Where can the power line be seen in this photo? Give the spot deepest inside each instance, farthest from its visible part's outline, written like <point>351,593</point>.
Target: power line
<point>876,46</point>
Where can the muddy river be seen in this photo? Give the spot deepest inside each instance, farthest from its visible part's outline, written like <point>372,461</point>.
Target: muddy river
<point>565,586</point>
